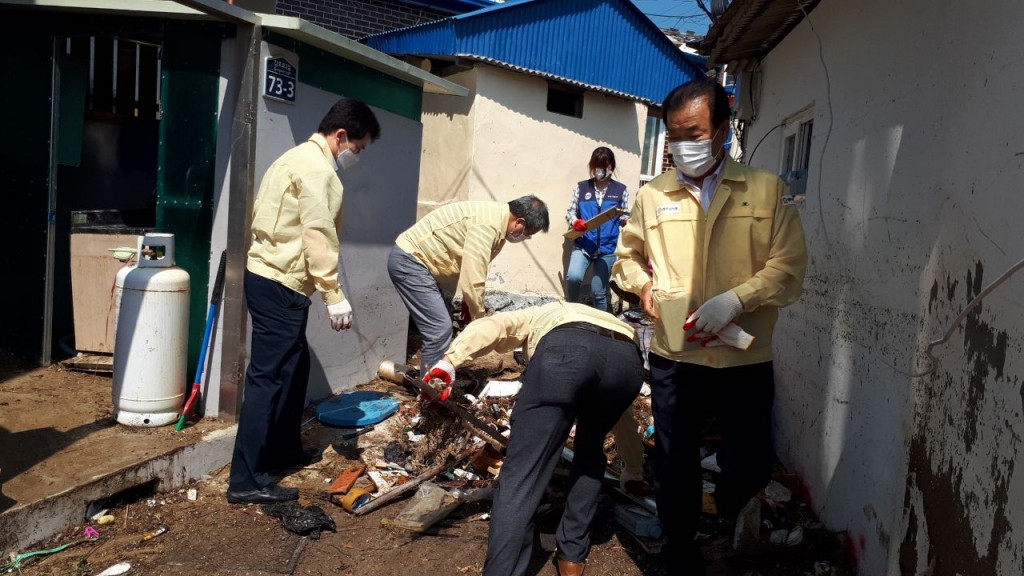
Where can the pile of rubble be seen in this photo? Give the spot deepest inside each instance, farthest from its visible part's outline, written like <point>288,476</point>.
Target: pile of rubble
<point>447,454</point>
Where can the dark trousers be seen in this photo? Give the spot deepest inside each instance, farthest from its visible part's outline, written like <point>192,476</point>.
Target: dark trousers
<point>574,375</point>
<point>681,396</point>
<point>275,383</point>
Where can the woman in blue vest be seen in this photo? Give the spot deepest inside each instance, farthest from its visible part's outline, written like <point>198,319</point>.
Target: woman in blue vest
<point>595,247</point>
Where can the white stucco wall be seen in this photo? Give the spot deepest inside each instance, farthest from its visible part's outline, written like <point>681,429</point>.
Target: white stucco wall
<point>447,145</point>
<point>520,148</point>
<point>912,208</point>
<point>379,202</point>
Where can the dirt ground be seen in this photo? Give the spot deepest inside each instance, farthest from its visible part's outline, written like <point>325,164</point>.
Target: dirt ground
<point>57,431</point>
<point>206,535</point>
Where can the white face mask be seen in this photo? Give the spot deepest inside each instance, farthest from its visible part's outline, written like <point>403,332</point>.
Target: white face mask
<point>346,158</point>
<point>600,174</point>
<point>693,159</point>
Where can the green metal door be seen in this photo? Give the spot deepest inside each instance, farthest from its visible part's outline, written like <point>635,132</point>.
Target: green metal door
<point>188,141</point>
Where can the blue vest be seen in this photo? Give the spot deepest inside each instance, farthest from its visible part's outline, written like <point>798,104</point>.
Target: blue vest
<point>600,240</point>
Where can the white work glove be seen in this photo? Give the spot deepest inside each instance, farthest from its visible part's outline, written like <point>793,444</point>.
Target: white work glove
<point>732,335</point>
<point>341,315</point>
<point>716,313</point>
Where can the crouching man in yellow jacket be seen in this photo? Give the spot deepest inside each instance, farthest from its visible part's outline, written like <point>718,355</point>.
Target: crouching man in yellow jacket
<point>726,250</point>
<point>584,366</point>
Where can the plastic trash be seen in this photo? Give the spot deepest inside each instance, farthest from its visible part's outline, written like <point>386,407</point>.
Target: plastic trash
<point>394,452</point>
<point>116,569</point>
<point>711,463</point>
<point>305,521</point>
<point>500,389</point>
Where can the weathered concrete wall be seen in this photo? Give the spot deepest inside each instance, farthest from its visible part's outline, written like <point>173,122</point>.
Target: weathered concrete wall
<point>911,210</point>
<point>446,160</point>
<point>521,148</point>
<point>379,203</point>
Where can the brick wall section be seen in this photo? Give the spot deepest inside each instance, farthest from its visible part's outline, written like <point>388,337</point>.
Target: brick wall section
<point>357,19</point>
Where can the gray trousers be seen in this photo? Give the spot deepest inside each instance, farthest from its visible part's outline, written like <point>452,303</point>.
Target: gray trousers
<point>574,375</point>
<point>422,297</point>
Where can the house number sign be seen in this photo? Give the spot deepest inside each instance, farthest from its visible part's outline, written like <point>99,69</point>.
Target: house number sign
<point>280,80</point>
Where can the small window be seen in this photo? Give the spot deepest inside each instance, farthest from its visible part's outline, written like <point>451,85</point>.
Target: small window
<point>654,144</point>
<point>564,101</point>
<point>796,150</point>
<point>788,152</point>
<point>796,143</point>
<point>804,159</point>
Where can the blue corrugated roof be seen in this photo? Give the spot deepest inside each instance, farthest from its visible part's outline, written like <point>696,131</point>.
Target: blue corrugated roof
<point>606,45</point>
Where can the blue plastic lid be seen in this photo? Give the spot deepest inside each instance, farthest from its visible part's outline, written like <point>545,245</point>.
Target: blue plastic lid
<point>358,408</point>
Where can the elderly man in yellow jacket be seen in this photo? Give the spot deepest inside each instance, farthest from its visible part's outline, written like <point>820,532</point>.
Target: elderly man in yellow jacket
<point>713,248</point>
<point>450,250</point>
<point>294,253</point>
<point>584,366</point>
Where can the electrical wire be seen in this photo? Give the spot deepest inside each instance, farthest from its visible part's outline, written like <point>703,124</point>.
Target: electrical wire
<point>963,314</point>
<point>974,302</point>
<point>828,133</point>
<point>754,151</point>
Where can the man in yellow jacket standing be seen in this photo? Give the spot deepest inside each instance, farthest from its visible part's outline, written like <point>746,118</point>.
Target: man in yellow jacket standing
<point>294,253</point>
<point>713,248</point>
<point>450,249</point>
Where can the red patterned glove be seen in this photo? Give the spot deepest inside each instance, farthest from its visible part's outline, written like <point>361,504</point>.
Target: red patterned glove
<point>445,372</point>
<point>579,225</point>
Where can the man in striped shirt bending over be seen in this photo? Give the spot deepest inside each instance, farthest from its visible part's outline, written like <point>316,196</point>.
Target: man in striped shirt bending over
<point>450,249</point>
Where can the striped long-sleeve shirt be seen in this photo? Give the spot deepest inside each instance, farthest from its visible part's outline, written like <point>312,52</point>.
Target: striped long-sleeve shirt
<point>456,244</point>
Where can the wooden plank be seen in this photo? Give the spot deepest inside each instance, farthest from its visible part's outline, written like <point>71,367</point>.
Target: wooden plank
<point>90,363</point>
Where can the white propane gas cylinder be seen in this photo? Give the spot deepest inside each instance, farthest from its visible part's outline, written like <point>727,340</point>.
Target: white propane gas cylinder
<point>151,343</point>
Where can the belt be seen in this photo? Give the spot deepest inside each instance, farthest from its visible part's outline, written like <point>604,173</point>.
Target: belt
<point>598,330</point>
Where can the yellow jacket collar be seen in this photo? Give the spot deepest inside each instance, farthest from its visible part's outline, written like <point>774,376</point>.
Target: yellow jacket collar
<point>318,139</point>
<point>733,170</point>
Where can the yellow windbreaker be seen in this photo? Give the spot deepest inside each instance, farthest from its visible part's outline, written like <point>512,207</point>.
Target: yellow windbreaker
<point>456,244</point>
<point>295,222</point>
<point>750,242</point>
<point>506,331</point>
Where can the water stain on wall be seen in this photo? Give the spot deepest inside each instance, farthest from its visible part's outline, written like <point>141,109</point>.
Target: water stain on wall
<point>947,506</point>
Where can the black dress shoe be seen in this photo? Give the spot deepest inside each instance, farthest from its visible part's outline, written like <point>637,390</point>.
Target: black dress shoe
<point>298,460</point>
<point>272,493</point>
